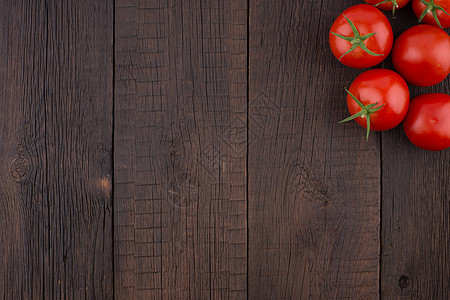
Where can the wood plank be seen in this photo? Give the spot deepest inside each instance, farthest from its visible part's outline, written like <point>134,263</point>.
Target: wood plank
<point>180,149</point>
<point>55,149</point>
<point>314,185</point>
<point>416,226</point>
<point>415,209</point>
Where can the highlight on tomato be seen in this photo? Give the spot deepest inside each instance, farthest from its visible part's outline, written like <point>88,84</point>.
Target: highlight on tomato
<point>427,123</point>
<point>378,100</point>
<point>361,37</point>
<point>388,4</point>
<point>421,55</point>
<point>433,12</point>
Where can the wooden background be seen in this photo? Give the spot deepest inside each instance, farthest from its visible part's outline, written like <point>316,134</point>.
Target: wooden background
<point>190,149</point>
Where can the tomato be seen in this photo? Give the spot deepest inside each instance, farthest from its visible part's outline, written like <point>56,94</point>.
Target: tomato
<point>387,4</point>
<point>361,37</point>
<point>433,12</point>
<point>427,124</point>
<point>383,97</point>
<point>421,55</point>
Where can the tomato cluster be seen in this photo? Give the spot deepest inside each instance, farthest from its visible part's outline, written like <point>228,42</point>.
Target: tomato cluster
<point>379,99</point>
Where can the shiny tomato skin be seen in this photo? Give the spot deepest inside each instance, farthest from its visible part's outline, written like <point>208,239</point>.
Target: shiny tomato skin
<point>387,5</point>
<point>444,19</point>
<point>385,87</point>
<point>367,19</point>
<point>427,124</point>
<point>421,55</point>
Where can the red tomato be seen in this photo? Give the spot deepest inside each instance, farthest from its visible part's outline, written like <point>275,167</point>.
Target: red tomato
<point>384,100</point>
<point>387,4</point>
<point>361,37</point>
<point>427,124</point>
<point>435,12</point>
<point>421,55</point>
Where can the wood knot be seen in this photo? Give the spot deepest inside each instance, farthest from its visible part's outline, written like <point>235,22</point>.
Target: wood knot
<point>403,282</point>
<point>105,185</point>
<point>19,168</point>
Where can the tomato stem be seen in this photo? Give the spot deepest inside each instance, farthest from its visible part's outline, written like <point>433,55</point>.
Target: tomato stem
<point>431,7</point>
<point>356,40</point>
<point>394,5</point>
<point>366,111</point>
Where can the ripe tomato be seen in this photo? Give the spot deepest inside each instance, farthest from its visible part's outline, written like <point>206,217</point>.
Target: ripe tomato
<point>421,55</point>
<point>383,97</point>
<point>433,12</point>
<point>388,4</point>
<point>361,37</point>
<point>427,124</point>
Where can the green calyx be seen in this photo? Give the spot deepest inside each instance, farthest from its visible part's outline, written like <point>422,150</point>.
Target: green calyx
<point>366,111</point>
<point>431,7</point>
<point>356,40</point>
<point>394,5</point>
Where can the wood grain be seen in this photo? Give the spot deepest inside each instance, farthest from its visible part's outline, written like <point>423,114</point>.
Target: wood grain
<point>314,185</point>
<point>55,149</point>
<point>415,208</point>
<point>208,131</point>
<point>416,222</point>
<point>180,149</point>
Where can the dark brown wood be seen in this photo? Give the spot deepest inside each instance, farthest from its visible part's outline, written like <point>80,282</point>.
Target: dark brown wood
<point>217,121</point>
<point>55,148</point>
<point>180,149</point>
<point>314,185</point>
<point>415,209</point>
<point>416,226</point>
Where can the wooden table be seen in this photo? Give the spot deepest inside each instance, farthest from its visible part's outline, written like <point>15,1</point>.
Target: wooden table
<point>190,149</point>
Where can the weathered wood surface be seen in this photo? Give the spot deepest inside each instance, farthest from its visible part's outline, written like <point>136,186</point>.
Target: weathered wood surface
<point>190,150</point>
<point>55,149</point>
<point>180,149</point>
<point>415,227</point>
<point>314,185</point>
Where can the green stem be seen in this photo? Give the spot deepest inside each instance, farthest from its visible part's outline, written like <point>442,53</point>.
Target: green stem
<point>431,8</point>
<point>366,111</point>
<point>394,5</point>
<point>356,40</point>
